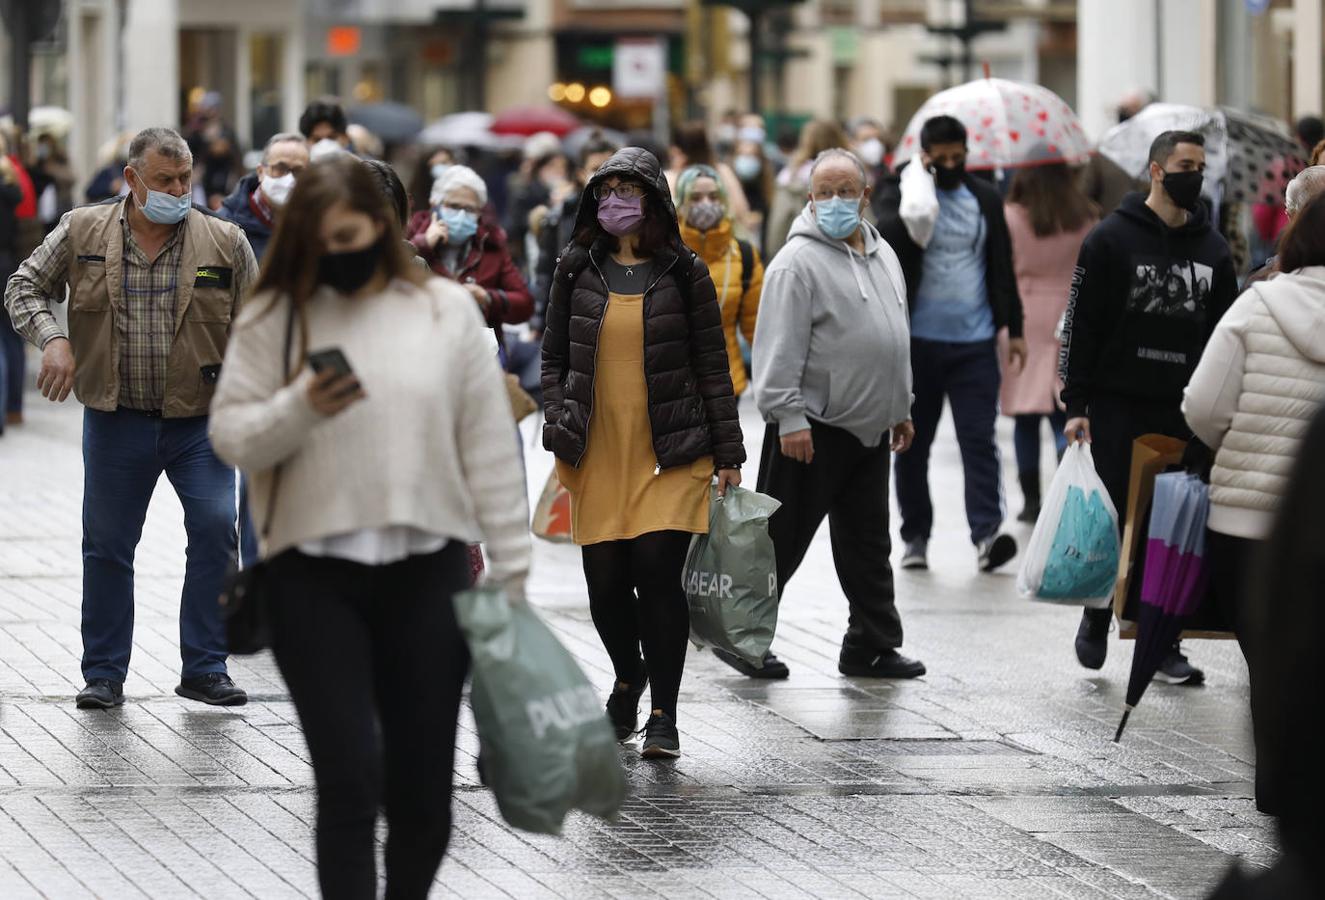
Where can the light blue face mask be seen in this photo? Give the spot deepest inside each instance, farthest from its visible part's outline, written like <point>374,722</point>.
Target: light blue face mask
<point>838,217</point>
<point>165,209</point>
<point>438,170</point>
<point>460,225</point>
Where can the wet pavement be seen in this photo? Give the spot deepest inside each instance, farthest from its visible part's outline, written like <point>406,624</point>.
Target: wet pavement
<point>993,776</point>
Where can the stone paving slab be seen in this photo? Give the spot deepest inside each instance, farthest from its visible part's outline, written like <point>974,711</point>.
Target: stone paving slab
<point>993,776</point>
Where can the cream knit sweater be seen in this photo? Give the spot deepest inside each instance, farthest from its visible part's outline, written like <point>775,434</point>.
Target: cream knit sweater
<point>1254,393</point>
<point>433,445</point>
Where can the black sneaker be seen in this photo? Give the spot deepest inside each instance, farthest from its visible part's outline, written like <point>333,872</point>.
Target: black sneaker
<point>215,688</point>
<point>772,668</point>
<point>1093,638</point>
<point>1175,669</point>
<point>915,554</point>
<point>660,738</point>
<point>100,693</point>
<point>878,664</point>
<point>623,708</point>
<point>996,551</point>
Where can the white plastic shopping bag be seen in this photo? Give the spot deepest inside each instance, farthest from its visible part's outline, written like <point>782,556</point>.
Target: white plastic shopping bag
<point>1073,553</point>
<point>920,202</point>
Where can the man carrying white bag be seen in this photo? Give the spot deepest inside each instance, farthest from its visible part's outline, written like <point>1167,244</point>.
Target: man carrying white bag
<point>1072,557</point>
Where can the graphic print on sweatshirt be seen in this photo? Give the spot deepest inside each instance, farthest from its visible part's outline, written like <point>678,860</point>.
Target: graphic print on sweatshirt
<point>1176,290</point>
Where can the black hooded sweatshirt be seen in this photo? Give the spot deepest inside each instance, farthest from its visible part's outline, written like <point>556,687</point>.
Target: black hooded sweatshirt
<point>1144,300</point>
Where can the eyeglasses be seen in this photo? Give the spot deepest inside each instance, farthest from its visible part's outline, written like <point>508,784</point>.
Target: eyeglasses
<point>461,207</point>
<point>280,169</point>
<point>851,194</point>
<point>625,191</point>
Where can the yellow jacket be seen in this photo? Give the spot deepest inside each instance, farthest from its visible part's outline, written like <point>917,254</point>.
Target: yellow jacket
<point>719,250</point>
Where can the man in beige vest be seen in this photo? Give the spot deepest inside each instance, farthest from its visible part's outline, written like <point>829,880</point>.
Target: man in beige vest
<point>153,285</point>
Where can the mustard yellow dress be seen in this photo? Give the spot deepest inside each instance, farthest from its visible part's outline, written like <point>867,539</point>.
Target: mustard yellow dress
<point>617,493</point>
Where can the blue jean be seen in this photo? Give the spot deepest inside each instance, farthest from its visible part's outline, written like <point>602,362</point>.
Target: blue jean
<point>1026,438</point>
<point>124,454</point>
<point>967,374</point>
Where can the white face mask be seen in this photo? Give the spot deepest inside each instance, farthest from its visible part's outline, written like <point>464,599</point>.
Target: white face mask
<point>871,152</point>
<point>277,190</point>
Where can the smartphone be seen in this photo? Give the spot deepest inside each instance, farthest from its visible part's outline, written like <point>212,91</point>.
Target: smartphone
<point>330,359</point>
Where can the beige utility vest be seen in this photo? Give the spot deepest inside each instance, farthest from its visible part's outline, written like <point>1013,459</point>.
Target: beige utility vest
<point>203,305</point>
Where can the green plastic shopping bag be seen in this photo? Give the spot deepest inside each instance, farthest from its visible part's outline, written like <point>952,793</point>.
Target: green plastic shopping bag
<point>731,577</point>
<point>544,740</point>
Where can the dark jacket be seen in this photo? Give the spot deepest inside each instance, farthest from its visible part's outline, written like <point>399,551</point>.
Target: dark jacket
<point>692,409</point>
<point>487,263</point>
<point>558,230</point>
<point>238,208</point>
<point>1000,277</point>
<point>1144,300</point>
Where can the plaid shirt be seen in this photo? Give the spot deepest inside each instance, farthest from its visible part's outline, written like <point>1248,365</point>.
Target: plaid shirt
<point>145,318</point>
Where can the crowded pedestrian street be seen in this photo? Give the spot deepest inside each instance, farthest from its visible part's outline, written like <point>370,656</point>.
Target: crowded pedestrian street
<point>995,775</point>
<point>662,448</point>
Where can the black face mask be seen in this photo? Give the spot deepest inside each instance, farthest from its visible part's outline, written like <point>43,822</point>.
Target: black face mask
<point>349,271</point>
<point>1183,188</point>
<point>949,177</point>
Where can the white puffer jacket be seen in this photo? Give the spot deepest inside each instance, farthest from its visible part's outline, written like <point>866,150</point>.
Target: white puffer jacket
<point>1254,393</point>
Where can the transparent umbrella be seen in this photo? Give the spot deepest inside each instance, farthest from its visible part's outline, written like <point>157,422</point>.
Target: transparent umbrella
<point>1009,124</point>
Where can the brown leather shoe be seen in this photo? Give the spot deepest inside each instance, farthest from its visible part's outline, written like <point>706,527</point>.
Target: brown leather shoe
<point>13,418</point>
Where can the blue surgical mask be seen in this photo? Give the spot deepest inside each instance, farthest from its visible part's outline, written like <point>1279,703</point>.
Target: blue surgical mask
<point>748,167</point>
<point>838,217</point>
<point>165,209</point>
<point>460,225</point>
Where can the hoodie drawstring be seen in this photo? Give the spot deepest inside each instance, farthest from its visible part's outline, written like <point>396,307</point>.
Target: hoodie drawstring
<point>856,272</point>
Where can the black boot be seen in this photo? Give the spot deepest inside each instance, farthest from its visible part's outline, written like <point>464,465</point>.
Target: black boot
<point>1030,489</point>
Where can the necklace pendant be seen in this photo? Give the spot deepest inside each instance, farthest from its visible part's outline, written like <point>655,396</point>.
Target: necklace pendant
<point>630,272</point>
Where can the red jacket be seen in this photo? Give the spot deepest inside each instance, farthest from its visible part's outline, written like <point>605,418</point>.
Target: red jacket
<point>487,264</point>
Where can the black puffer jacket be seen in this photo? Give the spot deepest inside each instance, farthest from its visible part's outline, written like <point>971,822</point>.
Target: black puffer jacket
<point>692,409</point>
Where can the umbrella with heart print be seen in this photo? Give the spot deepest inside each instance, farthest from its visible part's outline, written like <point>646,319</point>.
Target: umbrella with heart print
<point>1009,124</point>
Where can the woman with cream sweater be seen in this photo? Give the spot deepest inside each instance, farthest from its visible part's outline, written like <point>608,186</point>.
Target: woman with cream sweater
<point>1255,391</point>
<point>370,485</point>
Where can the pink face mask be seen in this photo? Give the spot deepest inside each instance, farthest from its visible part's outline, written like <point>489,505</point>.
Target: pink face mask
<point>620,217</point>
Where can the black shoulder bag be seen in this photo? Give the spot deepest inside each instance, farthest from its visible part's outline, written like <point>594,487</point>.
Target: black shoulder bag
<point>246,596</point>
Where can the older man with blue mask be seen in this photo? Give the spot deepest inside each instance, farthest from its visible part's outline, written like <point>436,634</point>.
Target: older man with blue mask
<point>832,377</point>
<point>153,284</point>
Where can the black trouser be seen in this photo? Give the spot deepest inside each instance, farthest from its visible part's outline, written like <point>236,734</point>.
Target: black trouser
<point>375,664</point>
<point>1115,423</point>
<point>637,602</point>
<point>848,483</point>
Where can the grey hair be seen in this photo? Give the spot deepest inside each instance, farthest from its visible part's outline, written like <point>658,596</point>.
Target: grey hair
<point>165,141</point>
<point>838,153</point>
<point>458,177</point>
<point>1308,184</point>
<point>285,136</point>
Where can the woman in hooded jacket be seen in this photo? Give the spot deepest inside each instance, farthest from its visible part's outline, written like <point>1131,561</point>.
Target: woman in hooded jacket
<point>733,264</point>
<point>640,413</point>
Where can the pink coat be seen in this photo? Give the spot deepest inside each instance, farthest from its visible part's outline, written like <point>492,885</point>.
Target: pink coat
<point>1044,267</point>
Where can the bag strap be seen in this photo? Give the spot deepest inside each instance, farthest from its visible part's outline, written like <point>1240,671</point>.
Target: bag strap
<point>747,265</point>
<point>276,473</point>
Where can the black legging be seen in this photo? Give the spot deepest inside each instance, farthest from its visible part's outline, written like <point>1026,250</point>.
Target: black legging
<point>362,647</point>
<point>636,600</point>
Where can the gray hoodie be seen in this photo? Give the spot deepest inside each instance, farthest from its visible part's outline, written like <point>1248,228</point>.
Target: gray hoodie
<point>833,342</point>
